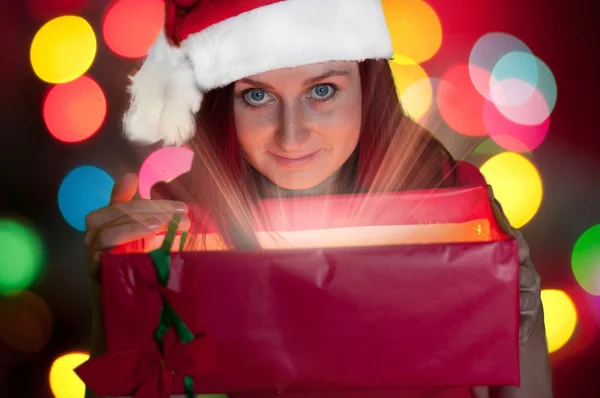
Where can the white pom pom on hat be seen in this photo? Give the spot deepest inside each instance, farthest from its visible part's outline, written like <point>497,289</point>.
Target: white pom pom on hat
<point>210,44</point>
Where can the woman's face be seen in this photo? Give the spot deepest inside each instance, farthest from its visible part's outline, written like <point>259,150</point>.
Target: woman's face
<point>298,126</point>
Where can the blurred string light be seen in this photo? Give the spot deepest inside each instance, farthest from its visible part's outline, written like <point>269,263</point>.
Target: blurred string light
<point>517,186</point>
<point>460,103</point>
<point>415,30</point>
<point>25,322</point>
<point>413,87</point>
<point>585,260</point>
<point>486,53</point>
<point>46,9</point>
<point>63,49</point>
<point>74,111</point>
<point>64,382</point>
<point>131,26</point>
<point>84,190</point>
<point>560,318</point>
<point>518,88</point>
<point>21,256</point>
<point>510,135</point>
<point>164,164</point>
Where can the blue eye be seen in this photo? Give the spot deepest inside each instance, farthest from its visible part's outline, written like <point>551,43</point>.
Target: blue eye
<point>322,91</point>
<point>257,97</point>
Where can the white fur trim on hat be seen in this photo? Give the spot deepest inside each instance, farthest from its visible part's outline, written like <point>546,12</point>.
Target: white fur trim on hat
<point>167,91</point>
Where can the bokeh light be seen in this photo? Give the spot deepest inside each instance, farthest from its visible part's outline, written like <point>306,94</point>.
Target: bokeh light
<point>21,255</point>
<point>517,186</point>
<point>417,98</point>
<point>25,322</point>
<point>523,67</point>
<point>560,318</point>
<point>533,112</point>
<point>84,190</point>
<point>74,111</point>
<point>131,26</point>
<point>486,54</point>
<point>415,29</point>
<point>164,164</point>
<point>64,382</point>
<point>63,49</point>
<point>488,147</point>
<point>510,135</point>
<point>585,260</point>
<point>514,66</point>
<point>45,9</point>
<point>460,104</point>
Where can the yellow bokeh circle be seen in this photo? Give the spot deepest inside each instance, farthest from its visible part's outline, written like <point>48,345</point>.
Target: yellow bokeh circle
<point>560,317</point>
<point>63,49</point>
<point>413,87</point>
<point>517,186</point>
<point>64,382</point>
<point>415,29</point>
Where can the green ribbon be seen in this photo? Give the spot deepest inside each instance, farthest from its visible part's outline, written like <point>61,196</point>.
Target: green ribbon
<point>168,317</point>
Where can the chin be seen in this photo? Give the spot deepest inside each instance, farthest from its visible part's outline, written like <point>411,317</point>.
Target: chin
<point>298,182</point>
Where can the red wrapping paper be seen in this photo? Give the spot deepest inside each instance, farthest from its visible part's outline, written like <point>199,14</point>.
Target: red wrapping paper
<point>377,321</point>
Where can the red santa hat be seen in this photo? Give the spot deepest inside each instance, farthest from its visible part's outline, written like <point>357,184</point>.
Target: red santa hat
<point>207,44</point>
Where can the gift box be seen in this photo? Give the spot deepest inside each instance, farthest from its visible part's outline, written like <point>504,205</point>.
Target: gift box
<point>353,296</point>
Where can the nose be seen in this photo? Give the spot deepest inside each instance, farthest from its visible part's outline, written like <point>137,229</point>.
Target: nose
<point>293,132</point>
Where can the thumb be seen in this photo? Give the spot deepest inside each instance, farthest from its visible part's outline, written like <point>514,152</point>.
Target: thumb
<point>124,189</point>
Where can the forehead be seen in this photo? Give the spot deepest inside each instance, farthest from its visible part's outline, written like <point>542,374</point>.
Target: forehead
<point>307,71</point>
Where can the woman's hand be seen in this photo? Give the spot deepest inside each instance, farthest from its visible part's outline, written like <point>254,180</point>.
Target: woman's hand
<point>534,363</point>
<point>530,301</point>
<point>126,220</point>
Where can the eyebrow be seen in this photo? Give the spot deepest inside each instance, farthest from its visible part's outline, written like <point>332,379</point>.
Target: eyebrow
<point>307,82</point>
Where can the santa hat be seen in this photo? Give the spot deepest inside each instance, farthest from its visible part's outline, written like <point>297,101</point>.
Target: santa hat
<point>207,44</point>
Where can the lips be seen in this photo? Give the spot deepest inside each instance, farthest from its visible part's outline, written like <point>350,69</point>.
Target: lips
<point>300,160</point>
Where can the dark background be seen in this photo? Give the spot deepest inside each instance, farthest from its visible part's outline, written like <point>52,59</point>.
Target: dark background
<point>33,164</point>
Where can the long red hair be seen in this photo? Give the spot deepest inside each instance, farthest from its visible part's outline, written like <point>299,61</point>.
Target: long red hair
<point>393,154</point>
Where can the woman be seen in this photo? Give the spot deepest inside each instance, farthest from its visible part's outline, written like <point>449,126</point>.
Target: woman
<point>283,98</point>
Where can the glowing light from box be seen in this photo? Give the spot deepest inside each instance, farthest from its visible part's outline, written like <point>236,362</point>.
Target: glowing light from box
<point>560,317</point>
<point>523,67</point>
<point>21,255</point>
<point>513,136</point>
<point>164,164</point>
<point>415,29</point>
<point>517,186</point>
<point>63,49</point>
<point>131,26</point>
<point>417,98</point>
<point>585,260</point>
<point>75,111</point>
<point>460,104</point>
<point>486,54</point>
<point>64,382</point>
<point>84,190</point>
<point>25,322</point>
<point>44,9</point>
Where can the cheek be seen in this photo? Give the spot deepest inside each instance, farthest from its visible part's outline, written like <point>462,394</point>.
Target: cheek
<point>254,129</point>
<point>341,128</point>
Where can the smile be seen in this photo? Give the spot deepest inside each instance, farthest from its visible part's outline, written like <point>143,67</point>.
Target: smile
<point>295,161</point>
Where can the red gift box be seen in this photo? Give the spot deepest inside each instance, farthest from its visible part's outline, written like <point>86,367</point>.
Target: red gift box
<point>432,301</point>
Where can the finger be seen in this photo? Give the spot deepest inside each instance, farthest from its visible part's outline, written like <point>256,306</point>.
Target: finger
<point>109,214</point>
<point>528,277</point>
<point>122,233</point>
<point>528,301</point>
<point>525,327</point>
<point>124,189</point>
